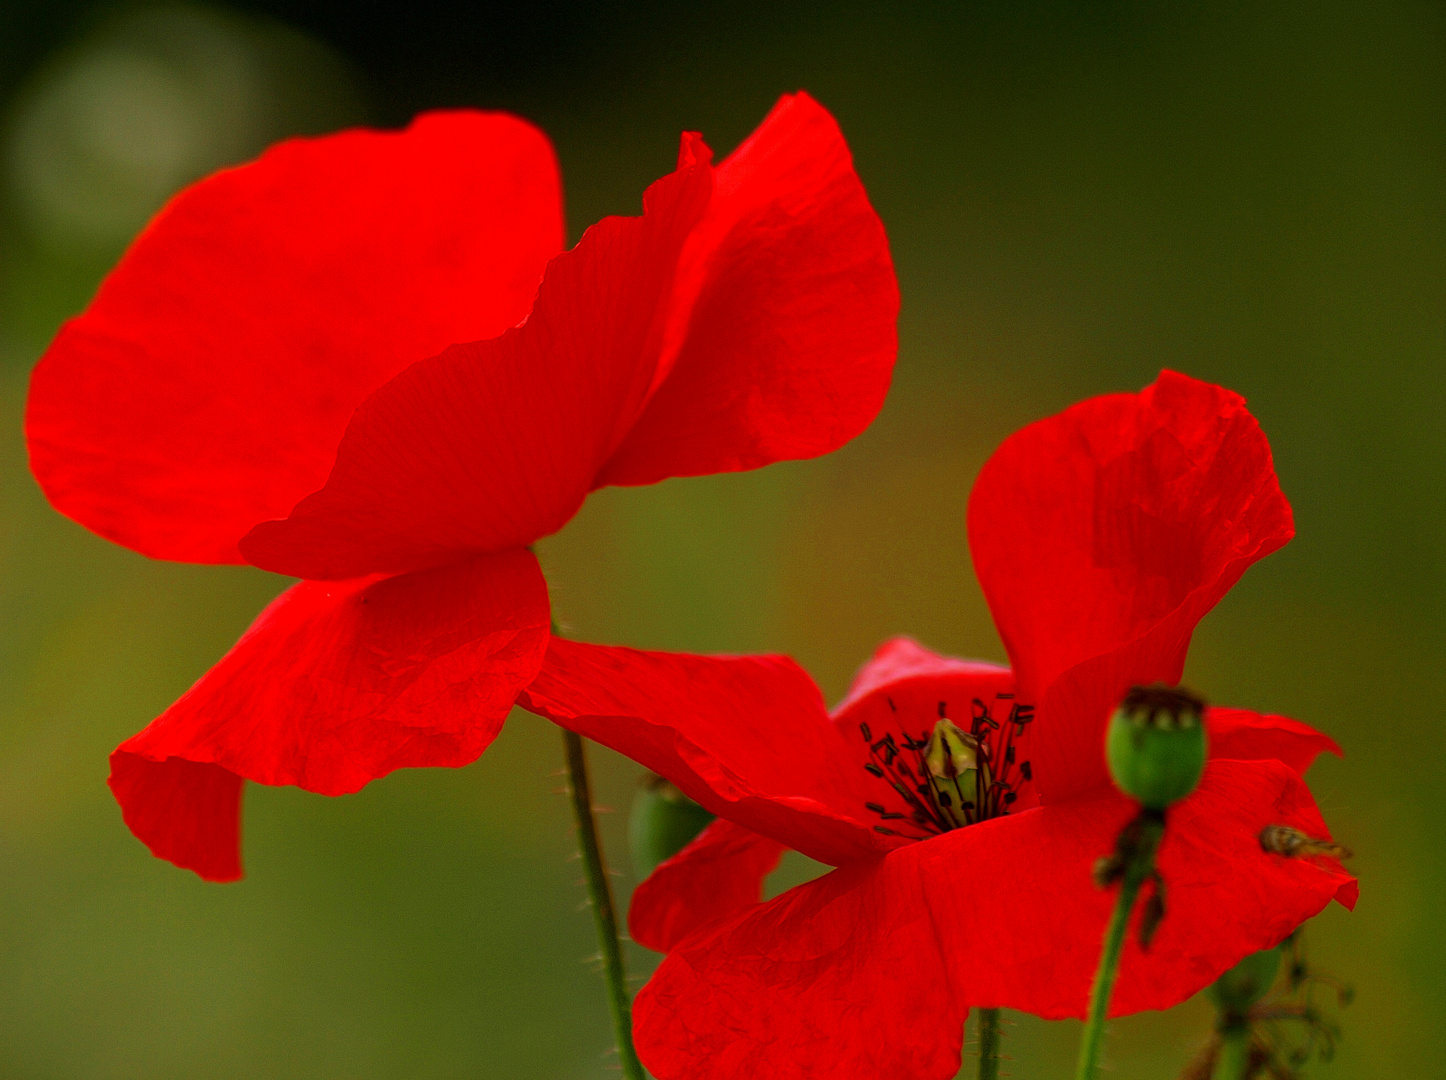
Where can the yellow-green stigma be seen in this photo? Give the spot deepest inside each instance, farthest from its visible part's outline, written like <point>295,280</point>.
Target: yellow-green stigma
<point>958,773</point>
<point>945,777</point>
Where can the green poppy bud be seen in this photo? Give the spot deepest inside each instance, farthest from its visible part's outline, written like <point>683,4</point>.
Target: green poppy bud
<point>662,823</point>
<point>1246,983</point>
<point>1155,746</point>
<point>959,775</point>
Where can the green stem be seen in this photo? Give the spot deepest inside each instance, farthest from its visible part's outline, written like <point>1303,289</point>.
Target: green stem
<point>1234,1058</point>
<point>1142,861</point>
<point>600,894</point>
<point>988,1044</point>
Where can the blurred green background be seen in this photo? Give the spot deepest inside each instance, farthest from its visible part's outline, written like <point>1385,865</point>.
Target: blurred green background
<point>1077,195</point>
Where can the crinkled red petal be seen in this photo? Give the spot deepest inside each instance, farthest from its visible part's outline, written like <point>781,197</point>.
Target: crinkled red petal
<point>845,978</point>
<point>1102,535</point>
<point>208,384</point>
<point>718,874</point>
<point>1240,733</point>
<point>902,661</point>
<point>496,443</point>
<point>869,971</point>
<point>782,337</point>
<point>333,686</point>
<point>187,812</point>
<point>745,736</point>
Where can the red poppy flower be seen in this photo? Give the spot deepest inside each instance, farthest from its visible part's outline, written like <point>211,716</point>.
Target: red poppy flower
<point>1101,536</point>
<point>362,360</point>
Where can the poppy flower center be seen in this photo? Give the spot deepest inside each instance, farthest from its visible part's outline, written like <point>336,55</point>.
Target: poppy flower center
<point>950,777</point>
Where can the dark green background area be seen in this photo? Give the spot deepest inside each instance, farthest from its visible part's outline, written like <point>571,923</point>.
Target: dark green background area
<point>1077,195</point>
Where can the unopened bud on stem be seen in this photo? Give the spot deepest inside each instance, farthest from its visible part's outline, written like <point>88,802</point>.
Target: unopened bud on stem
<point>663,822</point>
<point>1246,983</point>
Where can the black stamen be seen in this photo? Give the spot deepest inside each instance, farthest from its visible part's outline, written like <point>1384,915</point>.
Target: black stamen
<point>899,759</point>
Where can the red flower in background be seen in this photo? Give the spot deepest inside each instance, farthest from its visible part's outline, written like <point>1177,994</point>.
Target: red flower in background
<point>362,360</point>
<point>1101,536</point>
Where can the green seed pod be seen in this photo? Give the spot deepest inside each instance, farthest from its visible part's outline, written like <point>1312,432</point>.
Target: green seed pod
<point>1155,746</point>
<point>1246,983</point>
<point>662,823</point>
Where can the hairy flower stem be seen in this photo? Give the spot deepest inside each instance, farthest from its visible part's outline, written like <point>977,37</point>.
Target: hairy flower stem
<point>988,1044</point>
<point>1233,1061</point>
<point>1136,871</point>
<point>600,895</point>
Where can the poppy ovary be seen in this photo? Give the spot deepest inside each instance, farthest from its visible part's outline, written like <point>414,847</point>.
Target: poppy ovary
<point>1155,745</point>
<point>946,777</point>
<point>958,773</point>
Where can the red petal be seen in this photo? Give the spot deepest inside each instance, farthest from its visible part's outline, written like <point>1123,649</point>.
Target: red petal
<point>1246,735</point>
<point>868,972</point>
<point>1102,535</point>
<point>902,663</point>
<point>496,443</point>
<point>745,736</point>
<point>186,812</point>
<point>844,978</point>
<point>719,873</point>
<point>206,387</point>
<point>333,686</point>
<point>782,335</point>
